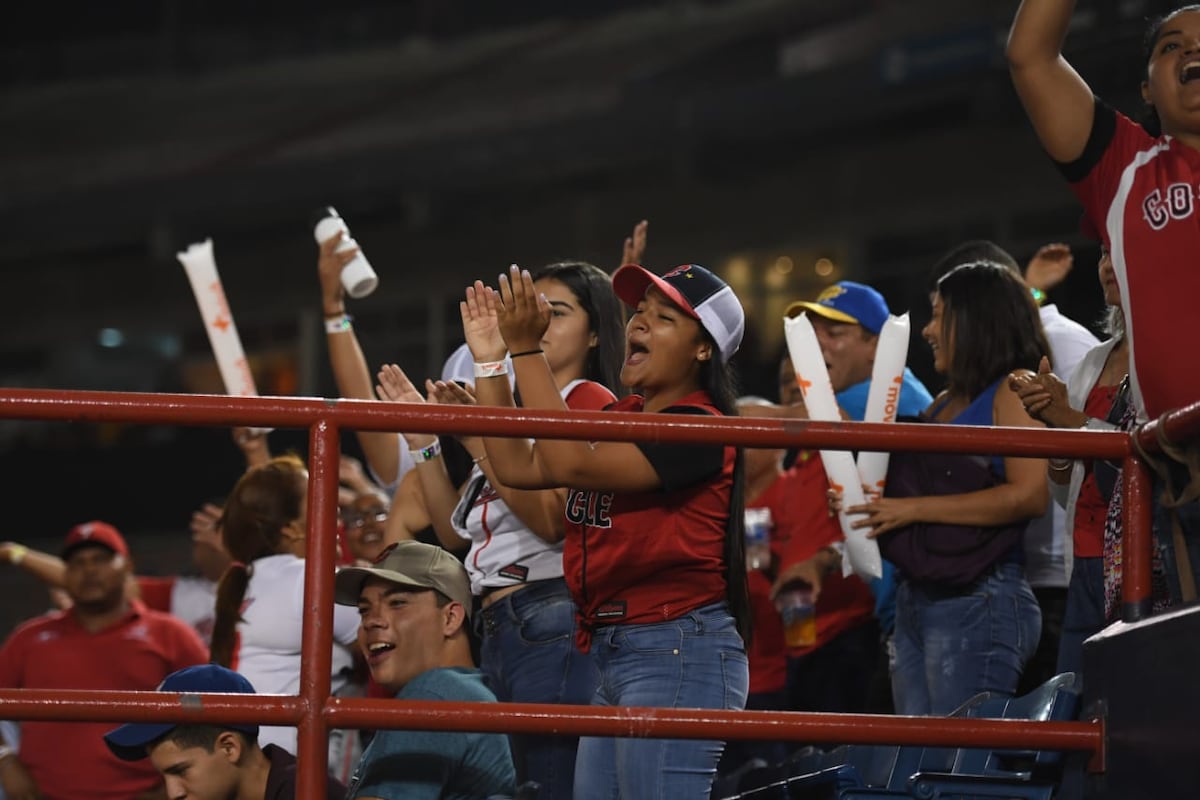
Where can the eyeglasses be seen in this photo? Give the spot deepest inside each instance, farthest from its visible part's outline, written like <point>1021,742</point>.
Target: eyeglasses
<point>358,519</point>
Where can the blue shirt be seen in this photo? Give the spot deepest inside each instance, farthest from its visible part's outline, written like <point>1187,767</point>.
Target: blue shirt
<point>914,398</point>
<point>454,765</point>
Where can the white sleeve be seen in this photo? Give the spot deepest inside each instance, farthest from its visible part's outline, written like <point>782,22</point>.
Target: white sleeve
<point>1069,343</point>
<point>345,624</point>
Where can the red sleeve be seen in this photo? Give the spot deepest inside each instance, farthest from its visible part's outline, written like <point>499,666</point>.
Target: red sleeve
<point>12,657</point>
<point>187,649</point>
<point>156,592</point>
<point>1114,142</point>
<point>589,396</point>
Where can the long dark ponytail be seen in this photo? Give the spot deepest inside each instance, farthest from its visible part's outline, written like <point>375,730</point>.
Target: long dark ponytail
<point>718,379</point>
<point>264,501</point>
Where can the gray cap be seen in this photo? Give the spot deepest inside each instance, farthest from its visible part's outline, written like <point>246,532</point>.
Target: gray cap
<point>415,564</point>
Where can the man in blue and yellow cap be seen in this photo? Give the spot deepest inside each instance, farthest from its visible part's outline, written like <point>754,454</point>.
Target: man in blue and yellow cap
<point>847,318</point>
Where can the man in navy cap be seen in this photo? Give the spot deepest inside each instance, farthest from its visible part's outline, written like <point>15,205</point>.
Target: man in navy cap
<point>211,762</point>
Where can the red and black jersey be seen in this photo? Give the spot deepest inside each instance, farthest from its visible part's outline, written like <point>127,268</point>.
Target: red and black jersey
<point>1141,193</point>
<point>652,556</point>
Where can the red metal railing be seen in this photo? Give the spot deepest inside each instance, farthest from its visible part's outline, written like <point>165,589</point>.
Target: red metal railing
<point>313,711</point>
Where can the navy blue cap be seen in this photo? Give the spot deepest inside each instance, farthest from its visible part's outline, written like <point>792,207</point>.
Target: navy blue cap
<point>128,742</point>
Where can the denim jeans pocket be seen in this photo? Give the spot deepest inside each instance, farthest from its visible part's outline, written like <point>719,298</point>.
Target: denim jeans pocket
<point>547,622</point>
<point>661,638</point>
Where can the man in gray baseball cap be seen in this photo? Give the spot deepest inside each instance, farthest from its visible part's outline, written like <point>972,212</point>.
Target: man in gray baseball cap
<point>414,605</point>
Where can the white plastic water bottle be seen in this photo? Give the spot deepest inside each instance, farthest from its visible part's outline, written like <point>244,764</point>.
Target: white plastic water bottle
<point>758,538</point>
<point>358,279</point>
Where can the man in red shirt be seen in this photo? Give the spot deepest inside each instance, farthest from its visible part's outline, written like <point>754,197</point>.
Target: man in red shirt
<point>104,641</point>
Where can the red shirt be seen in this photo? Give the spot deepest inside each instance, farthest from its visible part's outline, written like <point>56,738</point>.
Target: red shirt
<point>1141,194</point>
<point>651,556</point>
<point>767,652</point>
<point>1091,508</point>
<point>69,760</point>
<point>802,527</point>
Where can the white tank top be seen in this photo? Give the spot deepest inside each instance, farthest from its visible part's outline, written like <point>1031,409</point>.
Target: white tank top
<point>504,552</point>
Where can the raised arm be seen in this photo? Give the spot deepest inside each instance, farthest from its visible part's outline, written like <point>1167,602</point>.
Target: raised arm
<point>1059,103</point>
<point>540,510</point>
<point>441,496</point>
<point>522,317</point>
<point>46,567</point>
<point>350,372</point>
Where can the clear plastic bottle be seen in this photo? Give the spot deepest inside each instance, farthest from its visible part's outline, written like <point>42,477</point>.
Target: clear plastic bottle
<point>358,279</point>
<point>758,538</point>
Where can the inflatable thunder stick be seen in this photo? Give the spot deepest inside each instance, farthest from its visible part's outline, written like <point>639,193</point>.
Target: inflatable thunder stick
<point>862,554</point>
<point>887,376</point>
<point>201,270</point>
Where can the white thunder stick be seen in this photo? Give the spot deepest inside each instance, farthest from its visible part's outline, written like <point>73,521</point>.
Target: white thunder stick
<point>883,399</point>
<point>862,554</point>
<point>201,269</point>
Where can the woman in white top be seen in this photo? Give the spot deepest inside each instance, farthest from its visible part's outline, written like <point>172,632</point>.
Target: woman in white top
<point>260,599</point>
<point>526,618</point>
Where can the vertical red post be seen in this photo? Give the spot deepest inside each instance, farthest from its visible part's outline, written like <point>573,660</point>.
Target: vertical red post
<point>316,644</point>
<point>1136,540</point>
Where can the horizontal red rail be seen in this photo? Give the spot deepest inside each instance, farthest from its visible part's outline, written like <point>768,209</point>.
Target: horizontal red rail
<point>180,409</point>
<point>563,720</point>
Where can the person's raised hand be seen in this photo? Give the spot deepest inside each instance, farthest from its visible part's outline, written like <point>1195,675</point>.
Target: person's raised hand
<point>330,264</point>
<point>635,244</point>
<point>450,393</point>
<point>204,525</point>
<point>394,386</point>
<point>523,313</point>
<point>351,473</point>
<point>1049,266</point>
<point>481,328</point>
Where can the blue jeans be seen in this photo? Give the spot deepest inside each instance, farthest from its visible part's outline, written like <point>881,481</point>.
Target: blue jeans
<point>695,661</point>
<point>1084,616</point>
<point>528,655</point>
<point>951,645</point>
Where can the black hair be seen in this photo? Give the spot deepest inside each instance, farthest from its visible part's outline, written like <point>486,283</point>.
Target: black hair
<point>186,737</point>
<point>1149,118</point>
<point>592,286</point>
<point>993,325</point>
<point>718,379</point>
<point>971,252</point>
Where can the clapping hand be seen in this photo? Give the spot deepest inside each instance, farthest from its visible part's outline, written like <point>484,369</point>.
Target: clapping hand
<point>522,312</point>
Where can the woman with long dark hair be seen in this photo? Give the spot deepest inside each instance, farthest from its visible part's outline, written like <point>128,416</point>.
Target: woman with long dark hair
<point>526,619</point>
<point>653,552</point>
<point>953,641</point>
<point>260,599</point>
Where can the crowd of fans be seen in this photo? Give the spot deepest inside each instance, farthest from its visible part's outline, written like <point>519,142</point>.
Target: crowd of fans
<point>550,571</point>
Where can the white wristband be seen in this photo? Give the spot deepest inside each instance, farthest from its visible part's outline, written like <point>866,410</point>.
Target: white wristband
<point>427,453</point>
<point>338,324</point>
<point>491,369</point>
